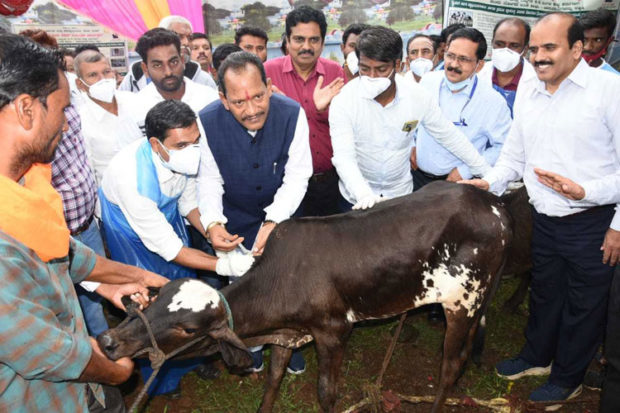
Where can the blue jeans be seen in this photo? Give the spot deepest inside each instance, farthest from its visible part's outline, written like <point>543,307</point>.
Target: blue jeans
<point>91,301</point>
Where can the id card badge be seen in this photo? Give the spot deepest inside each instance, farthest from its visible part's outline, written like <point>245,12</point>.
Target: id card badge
<point>409,126</point>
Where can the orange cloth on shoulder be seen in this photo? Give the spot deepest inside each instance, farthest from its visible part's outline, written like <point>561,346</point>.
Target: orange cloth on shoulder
<point>33,214</point>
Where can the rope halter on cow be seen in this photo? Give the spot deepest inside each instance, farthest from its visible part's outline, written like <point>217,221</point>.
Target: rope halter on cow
<point>156,356</point>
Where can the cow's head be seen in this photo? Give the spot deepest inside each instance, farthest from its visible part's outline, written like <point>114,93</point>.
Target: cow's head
<point>184,310</point>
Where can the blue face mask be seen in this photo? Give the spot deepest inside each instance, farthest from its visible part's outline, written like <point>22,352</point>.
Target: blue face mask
<point>458,85</point>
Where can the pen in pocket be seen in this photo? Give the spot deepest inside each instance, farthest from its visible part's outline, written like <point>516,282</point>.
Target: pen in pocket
<point>274,167</point>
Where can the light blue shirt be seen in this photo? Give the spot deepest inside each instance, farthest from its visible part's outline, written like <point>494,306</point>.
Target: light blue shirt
<point>609,68</point>
<point>486,123</point>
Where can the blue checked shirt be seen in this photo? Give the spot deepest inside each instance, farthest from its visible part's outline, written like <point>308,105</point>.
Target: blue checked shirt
<point>44,344</point>
<point>72,176</point>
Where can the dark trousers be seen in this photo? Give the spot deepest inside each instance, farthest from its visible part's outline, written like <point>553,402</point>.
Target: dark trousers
<point>114,402</point>
<point>420,179</point>
<point>322,196</point>
<point>610,399</point>
<point>569,291</point>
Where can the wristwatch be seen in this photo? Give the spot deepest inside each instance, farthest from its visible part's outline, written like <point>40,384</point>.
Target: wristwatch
<point>213,224</point>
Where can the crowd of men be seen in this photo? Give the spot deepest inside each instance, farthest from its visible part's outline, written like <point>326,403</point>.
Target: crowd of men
<point>186,166</point>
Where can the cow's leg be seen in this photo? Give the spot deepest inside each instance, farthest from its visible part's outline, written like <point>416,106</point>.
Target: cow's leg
<point>277,366</point>
<point>460,331</point>
<point>478,343</point>
<point>330,347</point>
<point>517,298</point>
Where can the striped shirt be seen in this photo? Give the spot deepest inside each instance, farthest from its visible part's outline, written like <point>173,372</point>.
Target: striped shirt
<point>72,176</point>
<point>44,344</point>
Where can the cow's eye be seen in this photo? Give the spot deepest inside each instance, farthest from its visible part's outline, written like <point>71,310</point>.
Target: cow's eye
<point>189,330</point>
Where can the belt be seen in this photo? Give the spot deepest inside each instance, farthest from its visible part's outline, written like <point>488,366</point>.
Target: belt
<point>84,226</point>
<point>323,176</point>
<point>431,176</point>
<point>591,210</point>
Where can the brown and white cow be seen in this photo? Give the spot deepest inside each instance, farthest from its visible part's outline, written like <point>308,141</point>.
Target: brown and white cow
<point>318,276</point>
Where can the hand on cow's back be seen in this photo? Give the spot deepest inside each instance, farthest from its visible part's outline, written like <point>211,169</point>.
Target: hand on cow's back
<point>478,183</point>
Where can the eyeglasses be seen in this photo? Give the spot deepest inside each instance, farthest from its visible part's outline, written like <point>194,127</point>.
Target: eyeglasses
<point>461,59</point>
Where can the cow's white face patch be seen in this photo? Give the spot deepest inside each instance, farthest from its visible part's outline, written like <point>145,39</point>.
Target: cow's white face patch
<point>475,251</point>
<point>194,295</point>
<point>453,287</point>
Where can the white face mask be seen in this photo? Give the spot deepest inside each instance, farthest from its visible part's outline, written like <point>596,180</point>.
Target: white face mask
<point>421,66</point>
<point>102,90</point>
<point>183,161</point>
<point>374,86</point>
<point>352,63</point>
<point>505,59</point>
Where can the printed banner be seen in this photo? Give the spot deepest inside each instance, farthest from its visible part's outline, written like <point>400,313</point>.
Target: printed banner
<point>484,14</point>
<point>71,30</point>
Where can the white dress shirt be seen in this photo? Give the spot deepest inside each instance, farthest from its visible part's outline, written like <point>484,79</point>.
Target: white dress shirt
<point>197,96</point>
<point>105,133</point>
<point>408,76</point>
<point>574,132</point>
<point>149,223</point>
<point>372,143</point>
<point>130,84</point>
<point>297,171</point>
<point>487,121</point>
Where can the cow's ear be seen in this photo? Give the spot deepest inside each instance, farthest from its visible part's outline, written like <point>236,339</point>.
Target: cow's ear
<point>234,352</point>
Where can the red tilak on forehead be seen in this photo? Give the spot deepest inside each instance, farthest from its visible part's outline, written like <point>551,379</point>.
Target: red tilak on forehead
<point>247,95</point>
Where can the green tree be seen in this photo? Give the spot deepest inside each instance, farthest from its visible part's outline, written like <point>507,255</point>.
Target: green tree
<point>400,10</point>
<point>315,4</point>
<point>438,12</point>
<point>50,13</point>
<point>256,14</point>
<point>352,15</point>
<point>211,15</point>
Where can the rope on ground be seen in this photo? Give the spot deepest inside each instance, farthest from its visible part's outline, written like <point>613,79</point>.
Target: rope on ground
<point>497,405</point>
<point>374,400</point>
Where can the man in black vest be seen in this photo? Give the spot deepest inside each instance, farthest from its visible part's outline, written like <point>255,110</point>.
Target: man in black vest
<point>255,161</point>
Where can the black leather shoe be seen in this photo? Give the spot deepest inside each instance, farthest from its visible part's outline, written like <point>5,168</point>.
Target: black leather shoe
<point>207,371</point>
